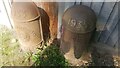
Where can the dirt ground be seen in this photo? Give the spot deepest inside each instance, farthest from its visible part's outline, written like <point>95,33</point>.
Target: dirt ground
<point>99,57</point>
<point>11,54</point>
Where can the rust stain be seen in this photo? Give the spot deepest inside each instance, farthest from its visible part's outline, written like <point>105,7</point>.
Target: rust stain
<point>51,8</point>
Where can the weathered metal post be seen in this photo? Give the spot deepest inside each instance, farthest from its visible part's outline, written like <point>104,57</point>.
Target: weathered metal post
<point>27,24</point>
<point>78,24</point>
<point>51,8</point>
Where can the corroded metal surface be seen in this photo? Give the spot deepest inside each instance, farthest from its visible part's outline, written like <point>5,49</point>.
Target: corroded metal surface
<point>24,11</point>
<point>79,19</point>
<point>26,24</point>
<point>78,24</point>
<point>51,8</point>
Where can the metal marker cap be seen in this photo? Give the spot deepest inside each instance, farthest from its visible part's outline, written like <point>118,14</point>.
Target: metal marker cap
<point>79,19</point>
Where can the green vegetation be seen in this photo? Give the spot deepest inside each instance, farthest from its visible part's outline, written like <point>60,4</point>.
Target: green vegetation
<point>11,54</point>
<point>50,56</point>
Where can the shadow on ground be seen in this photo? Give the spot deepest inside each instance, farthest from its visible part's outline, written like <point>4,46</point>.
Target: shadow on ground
<point>101,59</point>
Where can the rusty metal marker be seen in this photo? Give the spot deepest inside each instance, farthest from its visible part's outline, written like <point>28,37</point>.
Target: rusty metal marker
<point>78,24</point>
<point>50,22</point>
<point>27,24</point>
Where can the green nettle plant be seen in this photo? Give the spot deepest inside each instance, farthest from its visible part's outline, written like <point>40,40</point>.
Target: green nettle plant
<point>11,54</point>
<point>49,56</point>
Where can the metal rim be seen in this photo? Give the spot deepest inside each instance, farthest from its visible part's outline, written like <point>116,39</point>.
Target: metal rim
<point>33,18</point>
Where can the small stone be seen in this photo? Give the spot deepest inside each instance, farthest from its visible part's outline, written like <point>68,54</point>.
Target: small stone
<point>13,40</point>
<point>0,48</point>
<point>45,56</point>
<point>77,65</point>
<point>85,62</point>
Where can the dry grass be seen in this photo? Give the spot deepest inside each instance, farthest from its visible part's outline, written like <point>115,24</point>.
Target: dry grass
<point>10,53</point>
